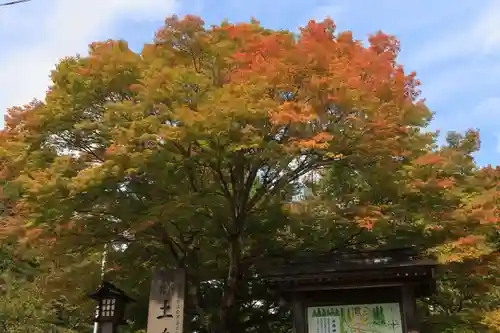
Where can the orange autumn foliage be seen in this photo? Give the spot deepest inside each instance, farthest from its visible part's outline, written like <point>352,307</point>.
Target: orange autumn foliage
<point>195,148</point>
<point>429,159</point>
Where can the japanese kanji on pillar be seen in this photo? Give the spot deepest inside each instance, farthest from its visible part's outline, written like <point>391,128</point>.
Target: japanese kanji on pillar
<point>166,301</point>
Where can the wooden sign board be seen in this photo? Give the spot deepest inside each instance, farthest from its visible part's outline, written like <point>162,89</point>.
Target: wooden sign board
<point>166,301</point>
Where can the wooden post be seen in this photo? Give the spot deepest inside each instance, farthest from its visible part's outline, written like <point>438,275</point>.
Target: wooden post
<point>298,315</point>
<point>409,309</point>
<point>166,302</point>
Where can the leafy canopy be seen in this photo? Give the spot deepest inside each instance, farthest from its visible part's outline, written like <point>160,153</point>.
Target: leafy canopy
<point>218,144</point>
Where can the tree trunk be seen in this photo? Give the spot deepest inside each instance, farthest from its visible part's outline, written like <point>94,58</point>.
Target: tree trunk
<point>227,309</point>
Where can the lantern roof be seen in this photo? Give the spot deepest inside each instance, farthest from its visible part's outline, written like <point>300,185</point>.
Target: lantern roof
<point>107,289</point>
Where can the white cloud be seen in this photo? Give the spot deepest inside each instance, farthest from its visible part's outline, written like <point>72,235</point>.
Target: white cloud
<point>479,37</point>
<point>40,36</point>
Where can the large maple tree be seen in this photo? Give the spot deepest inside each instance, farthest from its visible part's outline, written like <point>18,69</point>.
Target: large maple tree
<point>217,144</point>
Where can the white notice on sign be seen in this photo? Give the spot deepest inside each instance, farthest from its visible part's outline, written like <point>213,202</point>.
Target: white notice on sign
<point>328,324</point>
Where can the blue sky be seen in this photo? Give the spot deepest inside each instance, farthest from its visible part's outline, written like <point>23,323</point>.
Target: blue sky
<point>453,45</point>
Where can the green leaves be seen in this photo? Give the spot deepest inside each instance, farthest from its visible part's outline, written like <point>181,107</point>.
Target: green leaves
<point>215,145</point>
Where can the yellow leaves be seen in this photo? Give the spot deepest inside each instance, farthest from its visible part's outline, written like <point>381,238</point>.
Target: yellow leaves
<point>334,156</point>
<point>466,247</point>
<point>239,147</point>
<point>248,138</point>
<point>168,132</point>
<point>242,31</point>
<point>189,117</point>
<point>203,109</point>
<point>94,176</point>
<point>113,56</point>
<point>492,319</point>
<point>482,207</point>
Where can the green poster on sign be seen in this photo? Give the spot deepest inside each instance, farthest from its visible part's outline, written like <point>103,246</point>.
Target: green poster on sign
<point>365,318</point>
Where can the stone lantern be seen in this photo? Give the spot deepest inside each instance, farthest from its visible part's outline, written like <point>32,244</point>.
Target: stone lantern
<point>111,304</point>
